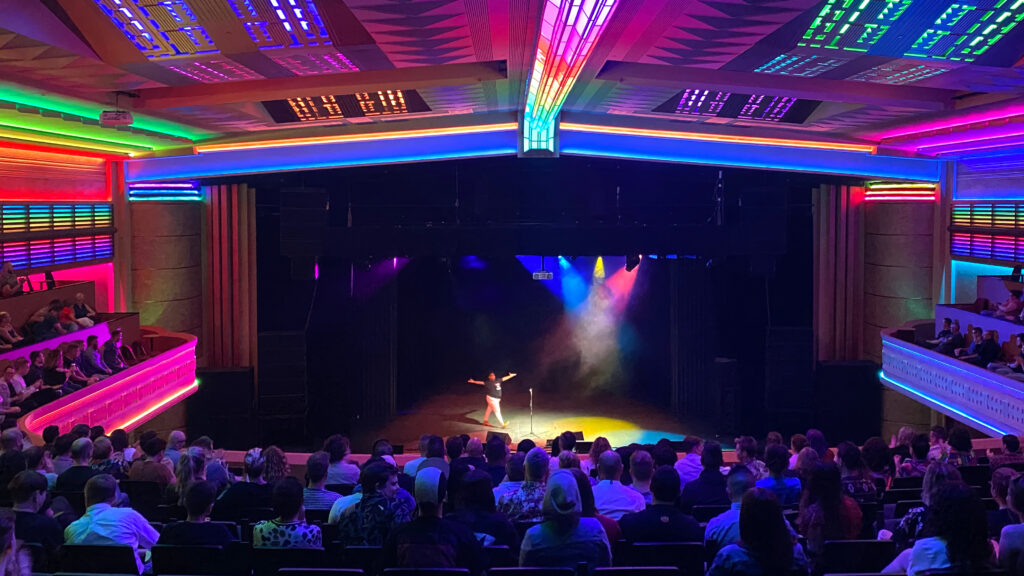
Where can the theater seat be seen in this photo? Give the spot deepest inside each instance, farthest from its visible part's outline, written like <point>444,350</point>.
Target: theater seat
<point>531,572</point>
<point>638,571</point>
<point>426,572</point>
<point>849,556</point>
<point>98,559</point>
<point>267,561</point>
<point>145,497</point>
<point>500,557</point>
<point>688,557</point>
<point>320,572</point>
<point>703,514</point>
<point>343,489</point>
<point>189,560</point>
<point>365,558</point>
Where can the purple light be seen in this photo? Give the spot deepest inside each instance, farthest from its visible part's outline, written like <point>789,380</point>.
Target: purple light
<point>1000,114</point>
<point>316,271</point>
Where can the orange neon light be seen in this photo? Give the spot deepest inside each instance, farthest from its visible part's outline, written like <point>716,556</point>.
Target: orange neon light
<point>186,391</point>
<point>261,144</point>
<point>787,143</point>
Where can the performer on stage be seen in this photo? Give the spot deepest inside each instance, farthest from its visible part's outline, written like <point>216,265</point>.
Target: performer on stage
<point>493,389</point>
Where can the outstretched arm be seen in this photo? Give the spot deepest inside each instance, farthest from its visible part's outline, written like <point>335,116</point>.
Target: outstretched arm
<point>477,382</point>
<point>510,376</point>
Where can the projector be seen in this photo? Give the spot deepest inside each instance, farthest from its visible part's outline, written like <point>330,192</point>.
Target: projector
<point>116,118</point>
<point>543,275</point>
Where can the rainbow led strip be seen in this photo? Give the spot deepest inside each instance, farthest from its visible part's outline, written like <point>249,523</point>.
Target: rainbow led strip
<point>899,192</point>
<point>568,32</point>
<point>988,230</point>
<point>165,192</point>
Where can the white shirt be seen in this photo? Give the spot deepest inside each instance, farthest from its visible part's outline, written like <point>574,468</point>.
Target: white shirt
<point>506,487</point>
<point>104,525</point>
<point>1011,546</point>
<point>614,500</point>
<point>413,466</point>
<point>927,554</point>
<point>342,472</point>
<point>688,468</point>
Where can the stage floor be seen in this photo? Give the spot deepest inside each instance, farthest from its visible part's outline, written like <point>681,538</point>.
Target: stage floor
<point>621,420</point>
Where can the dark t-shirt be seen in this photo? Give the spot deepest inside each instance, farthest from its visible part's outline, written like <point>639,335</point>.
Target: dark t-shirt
<point>195,534</point>
<point>708,489</point>
<point>10,464</point>
<point>38,528</point>
<point>240,497</point>
<point>433,543</point>
<point>660,523</point>
<point>490,529</point>
<point>73,479</point>
<point>493,388</point>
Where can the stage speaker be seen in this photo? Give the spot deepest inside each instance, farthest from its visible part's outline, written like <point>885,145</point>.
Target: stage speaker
<point>505,437</point>
<point>223,408</point>
<point>848,397</point>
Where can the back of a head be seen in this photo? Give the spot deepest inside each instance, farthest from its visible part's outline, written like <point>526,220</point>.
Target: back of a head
<point>495,450</point>
<point>286,497</point>
<point>562,502</point>
<point>430,491</point>
<point>746,447</point>
<point>609,466</point>
<point>80,430</point>
<point>26,485</point>
<point>919,447</point>
<point>1015,495</point>
<point>317,465</point>
<point>936,476</point>
<point>96,431</point>
<point>102,448</point>
<point>536,465</point>
<point>1011,443</point>
<point>275,464</point>
<point>337,447</point>
<point>876,455</point>
<point>568,460</point>
<point>957,516</point>
<point>960,439</point>
<point>381,447</point>
<point>515,468</point>
<point>567,441</point>
<point>374,475</point>
<point>81,449</point>
<point>476,492</point>
<point>475,448</point>
<point>797,442</point>
<point>599,446</point>
<point>905,436</point>
<point>641,466</point>
<point>939,433</point>
<point>253,464</point>
<point>772,438</point>
<point>119,440</point>
<point>176,439</point>
<point>199,498</point>
<point>435,447</point>
<point>587,509</point>
<point>1001,478</point>
<point>850,457</point>
<point>34,456</point>
<point>663,456</point>
<point>776,458</point>
<point>690,444</point>
<point>711,457</point>
<point>204,442</point>
<point>825,488</point>
<point>816,440</point>
<point>11,439</point>
<point>154,446</point>
<point>665,484</point>
<point>50,433</point>
<point>525,445</point>
<point>454,447</point>
<point>738,482</point>
<point>764,532</point>
<point>100,489</point>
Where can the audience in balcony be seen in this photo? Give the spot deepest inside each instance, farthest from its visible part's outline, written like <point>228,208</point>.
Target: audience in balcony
<point>92,361</point>
<point>661,520</point>
<point>708,489</point>
<point>8,412</point>
<point>689,466</point>
<point>983,348</point>
<point>786,488</point>
<point>611,497</point>
<point>287,529</point>
<point>565,538</point>
<point>1010,309</point>
<point>526,503</point>
<point>197,530</point>
<point>747,455</point>
<point>84,314</point>
<point>724,529</point>
<point>909,527</point>
<point>825,512</point>
<point>766,545</point>
<point>111,354</point>
<point>10,283</point>
<point>104,524</point>
<point>9,336</point>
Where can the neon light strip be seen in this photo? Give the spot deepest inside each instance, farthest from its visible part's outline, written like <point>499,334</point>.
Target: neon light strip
<point>186,391</point>
<point>264,144</point>
<point>1002,114</point>
<point>899,192</point>
<point>63,151</point>
<point>91,139</point>
<point>931,400</point>
<point>848,147</point>
<point>568,31</point>
<point>165,192</point>
<point>11,138</point>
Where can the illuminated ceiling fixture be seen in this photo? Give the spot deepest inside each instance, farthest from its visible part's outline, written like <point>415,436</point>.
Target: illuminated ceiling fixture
<point>899,192</point>
<point>568,31</point>
<point>967,29</point>
<point>854,25</point>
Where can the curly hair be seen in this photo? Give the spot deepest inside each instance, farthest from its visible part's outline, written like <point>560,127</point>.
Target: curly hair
<point>276,465</point>
<point>958,518</point>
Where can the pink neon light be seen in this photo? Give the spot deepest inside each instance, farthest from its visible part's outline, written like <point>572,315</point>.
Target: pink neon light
<point>164,186</point>
<point>899,198</point>
<point>1001,114</point>
<point>101,274</point>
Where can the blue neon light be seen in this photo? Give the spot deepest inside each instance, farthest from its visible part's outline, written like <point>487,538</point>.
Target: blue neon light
<point>960,270</point>
<point>931,400</point>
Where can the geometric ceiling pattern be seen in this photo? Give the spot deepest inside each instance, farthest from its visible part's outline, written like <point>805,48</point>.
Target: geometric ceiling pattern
<point>210,64</point>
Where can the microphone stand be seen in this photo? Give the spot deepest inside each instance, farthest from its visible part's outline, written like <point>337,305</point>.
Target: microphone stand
<point>531,412</point>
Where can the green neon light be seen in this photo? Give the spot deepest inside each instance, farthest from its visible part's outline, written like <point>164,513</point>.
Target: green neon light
<point>43,131</point>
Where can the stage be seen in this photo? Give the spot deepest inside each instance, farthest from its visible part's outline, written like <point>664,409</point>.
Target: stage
<point>460,410</point>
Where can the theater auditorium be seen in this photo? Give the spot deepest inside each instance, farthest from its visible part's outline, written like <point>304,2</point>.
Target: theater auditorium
<point>512,287</point>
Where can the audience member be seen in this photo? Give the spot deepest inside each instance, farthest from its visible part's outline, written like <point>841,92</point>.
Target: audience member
<point>9,335</point>
<point>946,332</point>
<point>92,360</point>
<point>877,457</point>
<point>566,442</point>
<point>32,524</point>
<point>102,463</point>
<point>83,311</point>
<point>191,468</point>
<point>786,488</point>
<point>252,492</point>
<point>197,530</point>
<point>587,508</point>
<point>765,546</point>
<point>961,449</point>
<point>664,454</point>
<point>475,509</point>
<point>15,559</point>
<point>339,471</point>
<point>689,466</point>
<point>12,459</point>
<point>38,460</point>
<point>565,539</point>
<point>917,464</point>
<point>797,442</point>
<point>826,513</point>
<point>525,446</point>
<point>858,482</point>
<point>909,528</point>
<point>430,541</point>
<point>216,469</point>
<point>939,448</point>
<point>370,521</point>
<point>73,366</point>
<point>515,474</point>
<point>276,467</point>
<point>598,447</point>
<point>103,524</point>
<point>899,444</point>
<point>1008,309</point>
<point>288,529</point>
<point>1011,453</point>
<point>1003,516</point>
<point>315,496</point>
<point>74,478</point>
<point>112,356</point>
<point>1011,540</point>
<point>611,497</point>
<point>950,344</point>
<point>45,323</point>
<point>435,456</point>
<point>22,395</point>
<point>957,536</point>
<point>62,453</point>
<point>10,283</point>
<point>175,446</point>
<point>661,521</point>
<point>526,503</point>
<point>816,440</point>
<point>497,457</point>
<point>746,454</point>
<point>150,468</point>
<point>567,460</point>
<point>724,529</point>
<point>641,470</point>
<point>413,465</point>
<point>123,452</point>
<point>708,489</point>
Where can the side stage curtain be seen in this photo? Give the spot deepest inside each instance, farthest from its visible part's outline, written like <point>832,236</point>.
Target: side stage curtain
<point>838,272</point>
<point>229,287</point>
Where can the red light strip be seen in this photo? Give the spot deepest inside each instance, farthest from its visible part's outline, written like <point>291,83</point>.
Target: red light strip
<point>65,151</point>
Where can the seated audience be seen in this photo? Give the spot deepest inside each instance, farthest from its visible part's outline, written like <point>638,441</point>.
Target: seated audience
<point>378,512</point>
<point>197,530</point>
<point>12,459</point>
<point>112,356</point>
<point>339,471</point>
<point>765,546</point>
<point>961,449</point>
<point>15,559</point>
<point>909,528</point>
<point>641,470</point>
<point>32,524</point>
<point>11,401</point>
<point>957,536</point>
<point>24,395</point>
<point>1003,516</point>
<point>899,444</point>
<point>564,539</point>
<point>123,451</point>
<point>816,440</point>
<point>10,283</point>
<point>84,313</point>
<point>661,521</point>
<point>567,460</point>
<point>587,508</point>
<point>786,488</point>
<point>38,460</point>
<point>858,482</point>
<point>216,469</point>
<point>877,457</point>
<point>1011,453</point>
<point>476,510</point>
<point>526,503</point>
<point>1009,309</point>
<point>276,465</point>
<point>955,341</point>
<point>515,474</point>
<point>288,529</point>
<point>62,453</point>
<point>103,524</point>
<point>9,335</point>
<point>496,452</point>
<point>797,442</point>
<point>103,463</point>
<point>982,350</point>
<point>252,492</point>
<point>746,454</point>
<point>315,496</point>
<point>598,447</point>
<point>664,454</point>
<point>826,513</point>
<point>917,464</point>
<point>151,468</point>
<point>45,323</point>
<point>724,529</point>
<point>435,456</point>
<point>413,465</point>
<point>525,446</point>
<point>73,366</point>
<point>191,468</point>
<point>175,446</point>
<point>946,332</point>
<point>74,478</point>
<point>689,467</point>
<point>92,360</point>
<point>1011,540</point>
<point>939,448</point>
<point>430,541</point>
<point>611,497</point>
<point>708,489</point>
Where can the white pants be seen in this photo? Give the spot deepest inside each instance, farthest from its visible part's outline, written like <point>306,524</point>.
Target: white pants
<point>493,405</point>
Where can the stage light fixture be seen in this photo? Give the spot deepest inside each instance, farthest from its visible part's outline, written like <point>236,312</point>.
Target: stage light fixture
<point>632,261</point>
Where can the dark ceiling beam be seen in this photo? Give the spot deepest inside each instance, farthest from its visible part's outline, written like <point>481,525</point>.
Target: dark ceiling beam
<point>754,83</point>
<point>343,83</point>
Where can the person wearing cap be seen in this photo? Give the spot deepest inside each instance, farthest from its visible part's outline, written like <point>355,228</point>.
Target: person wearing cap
<point>526,503</point>
<point>430,541</point>
<point>564,539</point>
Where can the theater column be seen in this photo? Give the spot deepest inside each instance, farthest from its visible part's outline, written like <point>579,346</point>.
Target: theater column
<point>898,246</point>
<point>167,275</point>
